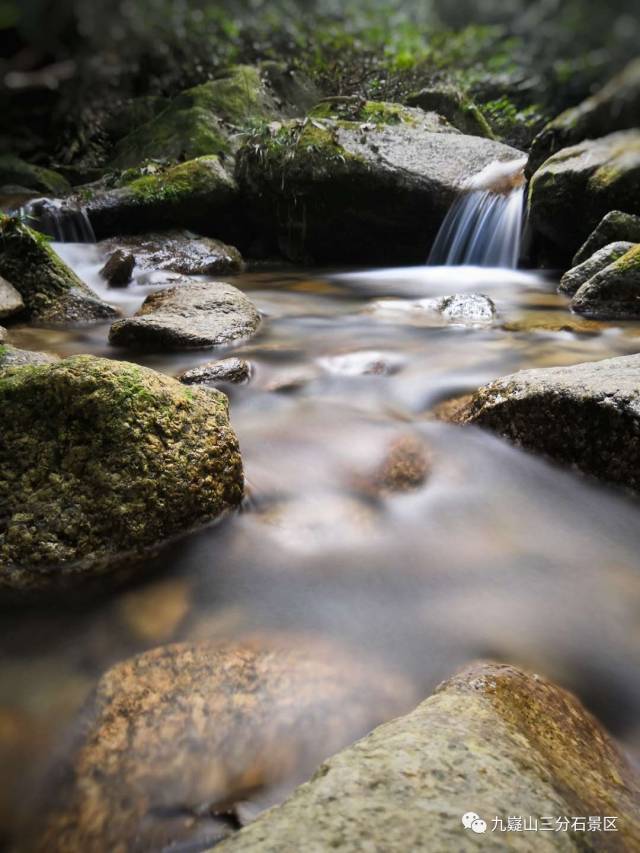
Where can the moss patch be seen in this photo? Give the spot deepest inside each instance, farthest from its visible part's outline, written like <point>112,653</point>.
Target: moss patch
<point>16,172</point>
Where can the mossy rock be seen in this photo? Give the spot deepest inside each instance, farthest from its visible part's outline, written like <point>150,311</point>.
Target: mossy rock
<point>198,194</point>
<point>51,292</point>
<point>613,293</point>
<point>455,106</point>
<point>103,458</point>
<point>17,172</point>
<point>574,278</point>
<point>372,187</point>
<point>616,226</point>
<point>178,744</point>
<point>494,741</point>
<point>615,107</point>
<point>200,121</point>
<point>575,188</point>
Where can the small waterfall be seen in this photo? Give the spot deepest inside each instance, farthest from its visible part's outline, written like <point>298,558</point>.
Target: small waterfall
<point>63,222</point>
<point>484,226</point>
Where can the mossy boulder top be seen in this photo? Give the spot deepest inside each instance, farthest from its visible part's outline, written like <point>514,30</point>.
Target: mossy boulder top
<point>615,226</point>
<point>612,293</point>
<point>103,457</point>
<point>449,101</point>
<point>586,416</point>
<point>200,195</point>
<point>15,172</point>
<point>51,293</point>
<point>615,107</point>
<point>206,119</point>
<point>493,741</point>
<point>574,278</point>
<point>575,188</point>
<point>387,174</point>
<point>179,738</point>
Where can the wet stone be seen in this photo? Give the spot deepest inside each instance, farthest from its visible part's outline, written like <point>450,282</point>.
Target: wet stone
<point>228,370</point>
<point>118,269</point>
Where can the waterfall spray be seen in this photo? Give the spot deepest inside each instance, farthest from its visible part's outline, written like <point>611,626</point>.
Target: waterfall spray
<point>63,222</point>
<point>484,226</point>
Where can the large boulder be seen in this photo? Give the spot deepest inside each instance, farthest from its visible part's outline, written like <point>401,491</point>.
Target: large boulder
<point>193,315</point>
<point>613,293</point>
<point>449,101</point>
<point>201,121</point>
<point>575,188</point>
<point>199,195</point>
<point>615,226</point>
<point>615,107</point>
<point>371,185</point>
<point>178,251</point>
<point>51,292</point>
<point>586,415</point>
<point>101,459</point>
<point>493,745</point>
<point>574,278</point>
<point>182,744</point>
<point>15,172</point>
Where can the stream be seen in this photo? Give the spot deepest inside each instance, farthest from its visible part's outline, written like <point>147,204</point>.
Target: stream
<point>499,554</point>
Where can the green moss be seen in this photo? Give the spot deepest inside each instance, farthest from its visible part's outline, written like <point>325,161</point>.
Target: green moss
<point>14,171</point>
<point>360,110</point>
<point>630,261</point>
<point>181,182</point>
<point>102,457</point>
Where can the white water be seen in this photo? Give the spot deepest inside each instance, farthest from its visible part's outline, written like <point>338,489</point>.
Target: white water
<point>60,221</point>
<point>484,226</point>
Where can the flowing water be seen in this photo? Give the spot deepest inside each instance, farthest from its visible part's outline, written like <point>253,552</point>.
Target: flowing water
<point>498,554</point>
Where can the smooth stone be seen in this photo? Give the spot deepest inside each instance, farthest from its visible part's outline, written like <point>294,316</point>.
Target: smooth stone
<point>615,226</point>
<point>228,370</point>
<point>586,415</point>
<point>573,280</point>
<point>118,269</point>
<point>181,744</point>
<point>180,252</point>
<point>13,357</point>
<point>10,300</point>
<point>197,315</point>
<point>158,459</point>
<point>614,292</point>
<point>493,741</point>
<point>462,308</point>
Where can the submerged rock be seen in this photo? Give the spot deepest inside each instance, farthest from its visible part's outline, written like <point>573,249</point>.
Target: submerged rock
<point>180,252</point>
<point>363,363</point>
<point>616,226</point>
<point>614,292</point>
<point>492,742</point>
<point>586,415</point>
<point>455,106</point>
<point>198,194</point>
<point>16,172</point>
<point>405,467</point>
<point>193,315</point>
<point>385,173</point>
<point>227,370</point>
<point>615,107</point>
<point>51,292</point>
<point>574,189</point>
<point>182,744</point>
<point>573,280</point>
<point>10,300</point>
<point>118,269</point>
<point>101,458</point>
<point>459,308</point>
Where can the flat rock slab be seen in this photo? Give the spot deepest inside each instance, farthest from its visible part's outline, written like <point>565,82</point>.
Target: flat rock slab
<point>180,252</point>
<point>587,415</point>
<point>492,742</point>
<point>196,315</point>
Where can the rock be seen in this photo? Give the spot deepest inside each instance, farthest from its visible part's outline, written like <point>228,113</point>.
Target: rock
<point>586,415</point>
<point>614,292</point>
<point>405,468</point>
<point>572,280</point>
<point>449,101</point>
<point>52,293</point>
<point>15,172</point>
<point>102,461</point>
<point>363,363</point>
<point>467,308</point>
<point>462,308</point>
<point>3,334</point>
<point>198,194</point>
<point>576,187</point>
<point>14,357</point>
<point>386,173</point>
<point>118,268</point>
<point>180,252</point>
<point>10,300</point>
<point>228,370</point>
<point>197,315</point>
<point>493,741</point>
<point>616,226</point>
<point>615,107</point>
<point>181,744</point>
<point>201,121</point>
<point>293,92</point>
